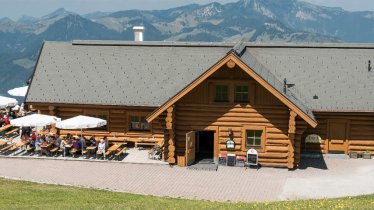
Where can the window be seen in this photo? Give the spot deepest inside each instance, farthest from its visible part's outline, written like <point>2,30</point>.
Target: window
<point>254,138</point>
<point>241,93</point>
<point>139,123</point>
<point>222,93</point>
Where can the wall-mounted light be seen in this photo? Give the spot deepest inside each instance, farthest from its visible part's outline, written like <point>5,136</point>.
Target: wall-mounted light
<point>230,143</point>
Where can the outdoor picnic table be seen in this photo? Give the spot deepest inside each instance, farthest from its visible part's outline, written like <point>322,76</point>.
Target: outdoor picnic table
<point>90,150</point>
<point>45,146</point>
<point>114,147</point>
<point>3,143</point>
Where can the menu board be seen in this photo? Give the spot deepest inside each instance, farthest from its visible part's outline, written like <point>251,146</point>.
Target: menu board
<point>252,157</point>
<point>231,158</point>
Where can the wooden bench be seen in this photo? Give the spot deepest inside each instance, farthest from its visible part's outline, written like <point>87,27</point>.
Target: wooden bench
<point>137,144</point>
<point>120,153</point>
<point>18,145</point>
<point>6,148</point>
<point>30,149</point>
<point>55,151</point>
<point>74,151</point>
<point>12,132</point>
<point>4,128</point>
<point>107,153</point>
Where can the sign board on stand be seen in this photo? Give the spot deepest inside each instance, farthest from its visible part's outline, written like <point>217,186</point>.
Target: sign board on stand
<point>252,158</point>
<point>231,160</point>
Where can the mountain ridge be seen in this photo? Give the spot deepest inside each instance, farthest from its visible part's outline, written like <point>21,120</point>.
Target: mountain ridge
<point>253,20</point>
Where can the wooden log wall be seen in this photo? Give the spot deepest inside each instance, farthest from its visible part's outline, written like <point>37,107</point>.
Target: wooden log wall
<point>192,117</point>
<point>198,111</point>
<point>360,132</point>
<point>117,118</point>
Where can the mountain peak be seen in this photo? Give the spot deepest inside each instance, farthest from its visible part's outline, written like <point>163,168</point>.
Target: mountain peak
<point>58,12</point>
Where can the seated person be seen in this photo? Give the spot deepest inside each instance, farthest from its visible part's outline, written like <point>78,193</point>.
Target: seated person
<point>101,149</point>
<point>106,142</point>
<point>37,145</point>
<point>65,146</point>
<point>92,141</point>
<point>82,143</point>
<point>57,141</point>
<point>43,149</point>
<point>75,145</point>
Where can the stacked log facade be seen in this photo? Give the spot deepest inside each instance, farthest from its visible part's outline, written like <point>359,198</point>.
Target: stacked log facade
<point>197,111</point>
<point>360,132</point>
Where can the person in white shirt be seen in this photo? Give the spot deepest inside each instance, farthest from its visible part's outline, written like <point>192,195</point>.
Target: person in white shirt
<point>101,149</point>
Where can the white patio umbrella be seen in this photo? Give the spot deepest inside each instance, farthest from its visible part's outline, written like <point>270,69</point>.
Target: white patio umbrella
<point>81,122</point>
<point>35,120</point>
<point>7,102</point>
<point>20,91</point>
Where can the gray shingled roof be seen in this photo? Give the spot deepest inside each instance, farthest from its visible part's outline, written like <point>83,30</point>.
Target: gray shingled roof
<point>150,73</point>
<point>272,80</point>
<point>336,73</point>
<point>119,73</point>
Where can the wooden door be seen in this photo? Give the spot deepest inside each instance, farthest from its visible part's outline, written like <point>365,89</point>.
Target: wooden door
<point>337,137</point>
<point>190,147</point>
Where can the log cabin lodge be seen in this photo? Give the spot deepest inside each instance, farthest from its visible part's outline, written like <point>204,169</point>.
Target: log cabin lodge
<point>281,99</point>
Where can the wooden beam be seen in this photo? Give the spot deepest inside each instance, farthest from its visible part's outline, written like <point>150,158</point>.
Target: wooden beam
<point>291,137</point>
<point>230,64</point>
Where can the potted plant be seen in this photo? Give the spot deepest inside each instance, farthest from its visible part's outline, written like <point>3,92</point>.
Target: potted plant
<point>366,155</point>
<point>353,154</point>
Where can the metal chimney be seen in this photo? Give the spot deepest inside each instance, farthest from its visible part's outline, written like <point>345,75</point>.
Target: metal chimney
<point>138,33</point>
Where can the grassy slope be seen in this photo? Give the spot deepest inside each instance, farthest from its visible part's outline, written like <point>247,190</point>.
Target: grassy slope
<point>27,195</point>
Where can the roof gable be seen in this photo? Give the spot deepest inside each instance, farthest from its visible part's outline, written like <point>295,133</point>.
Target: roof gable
<point>261,76</point>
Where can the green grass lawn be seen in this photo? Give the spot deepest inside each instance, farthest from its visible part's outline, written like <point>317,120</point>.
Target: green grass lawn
<point>28,195</point>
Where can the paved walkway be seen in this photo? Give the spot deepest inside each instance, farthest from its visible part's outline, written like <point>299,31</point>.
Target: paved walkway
<point>342,178</point>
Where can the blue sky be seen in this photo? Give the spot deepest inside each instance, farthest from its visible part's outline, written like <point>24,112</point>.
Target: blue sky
<point>16,8</point>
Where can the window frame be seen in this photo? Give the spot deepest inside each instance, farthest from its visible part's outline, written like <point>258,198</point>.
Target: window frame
<point>140,115</point>
<point>263,137</point>
<point>236,92</point>
<point>227,93</point>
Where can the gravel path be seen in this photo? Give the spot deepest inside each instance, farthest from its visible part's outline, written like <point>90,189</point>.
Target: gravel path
<point>343,177</point>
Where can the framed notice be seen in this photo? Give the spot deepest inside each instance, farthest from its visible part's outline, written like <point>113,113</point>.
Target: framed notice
<point>230,144</point>
<point>313,139</point>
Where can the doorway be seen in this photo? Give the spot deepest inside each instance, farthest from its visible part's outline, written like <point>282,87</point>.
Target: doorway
<point>205,146</point>
<point>337,143</point>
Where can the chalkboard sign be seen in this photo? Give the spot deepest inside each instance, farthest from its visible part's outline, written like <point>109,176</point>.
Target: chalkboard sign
<point>252,157</point>
<point>231,159</point>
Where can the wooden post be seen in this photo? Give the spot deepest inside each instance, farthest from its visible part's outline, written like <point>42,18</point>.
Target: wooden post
<point>170,121</point>
<point>291,137</point>
<point>300,129</point>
